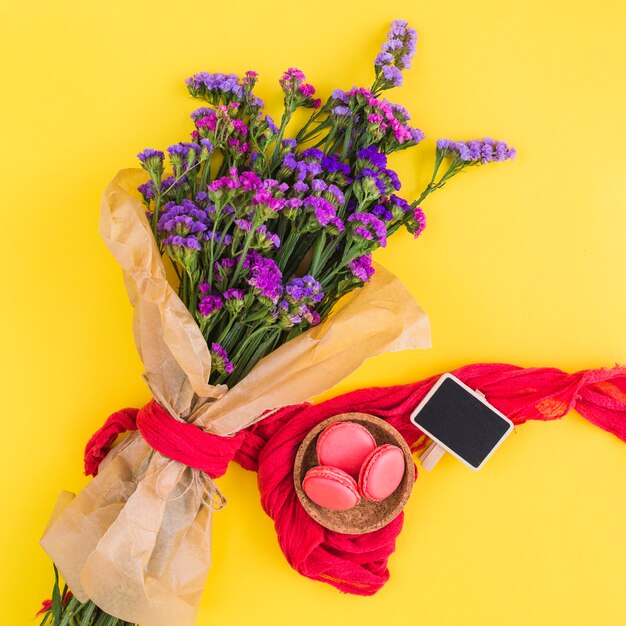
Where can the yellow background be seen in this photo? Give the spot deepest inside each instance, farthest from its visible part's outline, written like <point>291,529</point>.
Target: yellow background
<point>520,262</point>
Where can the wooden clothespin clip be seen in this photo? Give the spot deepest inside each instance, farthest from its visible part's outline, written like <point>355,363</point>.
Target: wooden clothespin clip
<point>459,420</point>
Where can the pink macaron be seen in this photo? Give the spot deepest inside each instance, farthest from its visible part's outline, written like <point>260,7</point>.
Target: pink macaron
<point>331,488</point>
<point>345,445</point>
<point>382,472</point>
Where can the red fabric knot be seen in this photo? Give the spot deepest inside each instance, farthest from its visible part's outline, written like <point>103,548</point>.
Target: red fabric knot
<point>102,440</point>
<point>180,441</point>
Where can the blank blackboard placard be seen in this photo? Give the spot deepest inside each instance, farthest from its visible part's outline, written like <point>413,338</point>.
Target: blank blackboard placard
<point>461,421</point>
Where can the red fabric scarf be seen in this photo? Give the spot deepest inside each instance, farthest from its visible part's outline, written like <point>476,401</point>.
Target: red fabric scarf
<point>358,563</point>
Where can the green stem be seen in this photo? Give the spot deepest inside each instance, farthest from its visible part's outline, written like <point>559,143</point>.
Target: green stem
<point>301,136</point>
<point>155,214</point>
<point>284,120</point>
<point>346,140</point>
<point>317,252</point>
<point>224,333</point>
<point>206,172</point>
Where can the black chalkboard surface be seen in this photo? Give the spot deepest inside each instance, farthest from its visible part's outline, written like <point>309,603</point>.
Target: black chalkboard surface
<point>461,421</point>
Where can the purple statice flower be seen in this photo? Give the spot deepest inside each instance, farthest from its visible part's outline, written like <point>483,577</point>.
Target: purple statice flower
<point>312,168</point>
<point>420,220</point>
<point>184,155</point>
<point>207,121</point>
<point>362,232</point>
<point>185,220</point>
<point>325,213</point>
<point>185,243</point>
<point>377,119</point>
<point>475,150</point>
<point>297,307</point>
<point>146,190</point>
<point>290,315</point>
<point>383,58</point>
<point>389,118</point>
<point>300,187</point>
<point>264,276</point>
<point>297,91</point>
<point>305,290</point>
<point>271,125</point>
<point>369,185</point>
<point>224,183</point>
<point>222,268</point>
<point>306,90</point>
<point>393,76</point>
<point>290,162</point>
<point>361,267</point>
<point>341,96</point>
<point>393,44</point>
<point>209,304</point>
<point>226,263</point>
<point>218,237</point>
<point>293,203</point>
<point>400,111</point>
<point>286,314</point>
<point>317,184</point>
<point>201,112</point>
<point>206,148</point>
<point>398,206</point>
<point>292,79</point>
<point>292,144</point>
<point>171,182</point>
<point>382,212</point>
<point>267,237</point>
<point>313,154</point>
<point>179,149</point>
<point>152,161</point>
<point>221,362</point>
<point>148,155</point>
<point>249,181</point>
<point>234,294</point>
<point>265,198</point>
<point>502,152</point>
<point>372,157</point>
<point>331,164</point>
<point>400,45</point>
<point>371,224</point>
<point>393,178</point>
<point>417,135</point>
<point>240,126</point>
<point>217,87</point>
<point>243,225</point>
<point>482,151</point>
<point>335,195</point>
<point>250,78</point>
<point>266,185</point>
<point>341,111</point>
<point>182,247</point>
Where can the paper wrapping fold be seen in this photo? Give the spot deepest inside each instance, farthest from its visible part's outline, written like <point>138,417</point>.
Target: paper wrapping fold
<point>137,539</point>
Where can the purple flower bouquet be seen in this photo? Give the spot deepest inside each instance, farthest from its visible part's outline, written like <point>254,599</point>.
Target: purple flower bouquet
<point>248,237</point>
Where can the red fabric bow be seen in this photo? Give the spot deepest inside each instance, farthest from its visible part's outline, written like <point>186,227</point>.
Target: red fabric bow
<point>358,563</point>
<point>177,440</point>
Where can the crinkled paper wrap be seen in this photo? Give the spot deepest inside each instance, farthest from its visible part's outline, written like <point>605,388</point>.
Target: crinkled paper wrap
<point>137,539</point>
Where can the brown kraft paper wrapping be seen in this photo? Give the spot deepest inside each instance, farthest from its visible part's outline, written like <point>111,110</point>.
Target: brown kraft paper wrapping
<point>137,539</point>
